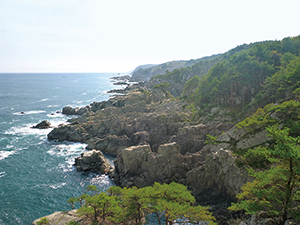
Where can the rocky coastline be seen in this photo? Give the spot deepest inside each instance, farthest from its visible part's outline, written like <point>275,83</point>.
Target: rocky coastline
<point>155,139</point>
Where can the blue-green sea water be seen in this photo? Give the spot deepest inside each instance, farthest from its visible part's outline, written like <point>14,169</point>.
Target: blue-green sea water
<point>36,176</point>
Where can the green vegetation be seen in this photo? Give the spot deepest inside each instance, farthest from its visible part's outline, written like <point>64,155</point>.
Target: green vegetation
<point>162,86</point>
<point>73,223</point>
<point>276,189</point>
<point>145,73</point>
<point>260,79</point>
<point>247,77</point>
<point>42,221</point>
<point>123,205</point>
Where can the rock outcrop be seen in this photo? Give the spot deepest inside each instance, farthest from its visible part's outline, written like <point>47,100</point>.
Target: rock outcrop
<point>218,179</point>
<point>143,118</point>
<point>68,110</point>
<point>64,217</point>
<point>155,141</point>
<point>140,166</point>
<point>42,125</point>
<point>210,175</point>
<point>93,161</point>
<point>192,138</point>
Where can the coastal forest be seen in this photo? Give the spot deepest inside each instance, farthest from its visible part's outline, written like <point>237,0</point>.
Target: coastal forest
<point>213,140</point>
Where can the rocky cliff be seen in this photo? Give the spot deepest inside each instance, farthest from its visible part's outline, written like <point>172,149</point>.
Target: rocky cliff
<point>156,139</point>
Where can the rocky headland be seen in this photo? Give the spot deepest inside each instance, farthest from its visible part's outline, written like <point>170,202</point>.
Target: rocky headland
<point>178,122</point>
<point>155,138</point>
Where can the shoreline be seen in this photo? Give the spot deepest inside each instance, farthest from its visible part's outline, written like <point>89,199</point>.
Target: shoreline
<point>165,119</point>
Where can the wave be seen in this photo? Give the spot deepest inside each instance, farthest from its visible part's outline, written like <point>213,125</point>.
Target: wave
<point>6,154</point>
<point>43,100</point>
<point>67,149</point>
<point>52,106</point>
<point>56,186</point>
<point>27,130</point>
<point>102,180</point>
<point>2,174</point>
<point>56,115</point>
<point>28,112</point>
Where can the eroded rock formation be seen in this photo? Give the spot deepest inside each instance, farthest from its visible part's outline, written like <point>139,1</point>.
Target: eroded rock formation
<point>155,140</point>
<point>93,161</point>
<point>42,125</point>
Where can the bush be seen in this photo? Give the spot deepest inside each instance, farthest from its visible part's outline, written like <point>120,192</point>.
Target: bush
<point>42,221</point>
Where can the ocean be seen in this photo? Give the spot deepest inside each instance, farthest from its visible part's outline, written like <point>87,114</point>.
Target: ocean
<point>37,176</point>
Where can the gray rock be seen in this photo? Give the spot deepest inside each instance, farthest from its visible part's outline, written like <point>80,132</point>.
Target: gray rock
<point>68,110</point>
<point>253,140</point>
<point>42,125</point>
<point>113,144</point>
<point>140,166</point>
<point>63,217</point>
<point>217,176</point>
<point>93,161</point>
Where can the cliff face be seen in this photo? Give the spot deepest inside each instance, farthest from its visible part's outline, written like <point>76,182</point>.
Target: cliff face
<point>210,172</point>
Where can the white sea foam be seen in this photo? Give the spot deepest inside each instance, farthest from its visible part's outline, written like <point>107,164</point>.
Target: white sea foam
<point>92,100</point>
<point>83,94</point>
<point>2,174</point>
<point>101,180</point>
<point>55,114</point>
<point>29,112</point>
<point>56,186</point>
<point>9,146</point>
<point>52,106</point>
<point>6,154</point>
<point>27,130</point>
<point>44,99</point>
<point>67,149</point>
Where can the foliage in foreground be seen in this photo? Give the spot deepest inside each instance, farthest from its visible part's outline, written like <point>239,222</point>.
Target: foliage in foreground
<point>168,202</point>
<point>277,189</point>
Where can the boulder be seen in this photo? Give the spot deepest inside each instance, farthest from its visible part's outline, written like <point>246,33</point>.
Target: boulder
<point>42,125</point>
<point>93,161</point>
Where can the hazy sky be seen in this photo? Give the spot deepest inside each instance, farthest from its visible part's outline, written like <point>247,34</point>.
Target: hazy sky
<point>119,35</point>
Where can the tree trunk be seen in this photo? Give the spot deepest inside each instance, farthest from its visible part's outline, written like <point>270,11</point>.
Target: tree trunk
<point>158,218</point>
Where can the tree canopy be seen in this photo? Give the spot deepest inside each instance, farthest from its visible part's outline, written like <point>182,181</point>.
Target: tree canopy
<point>169,202</point>
<point>276,189</point>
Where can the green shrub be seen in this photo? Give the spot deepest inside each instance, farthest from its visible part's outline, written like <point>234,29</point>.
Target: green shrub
<point>42,221</point>
<point>72,222</point>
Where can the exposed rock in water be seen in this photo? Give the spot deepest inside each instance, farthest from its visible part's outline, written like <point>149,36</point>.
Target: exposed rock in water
<point>43,125</point>
<point>93,161</point>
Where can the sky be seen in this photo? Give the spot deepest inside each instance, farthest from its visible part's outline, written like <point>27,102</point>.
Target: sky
<point>119,35</point>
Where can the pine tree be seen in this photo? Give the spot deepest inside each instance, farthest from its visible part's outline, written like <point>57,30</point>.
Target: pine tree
<point>277,189</point>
